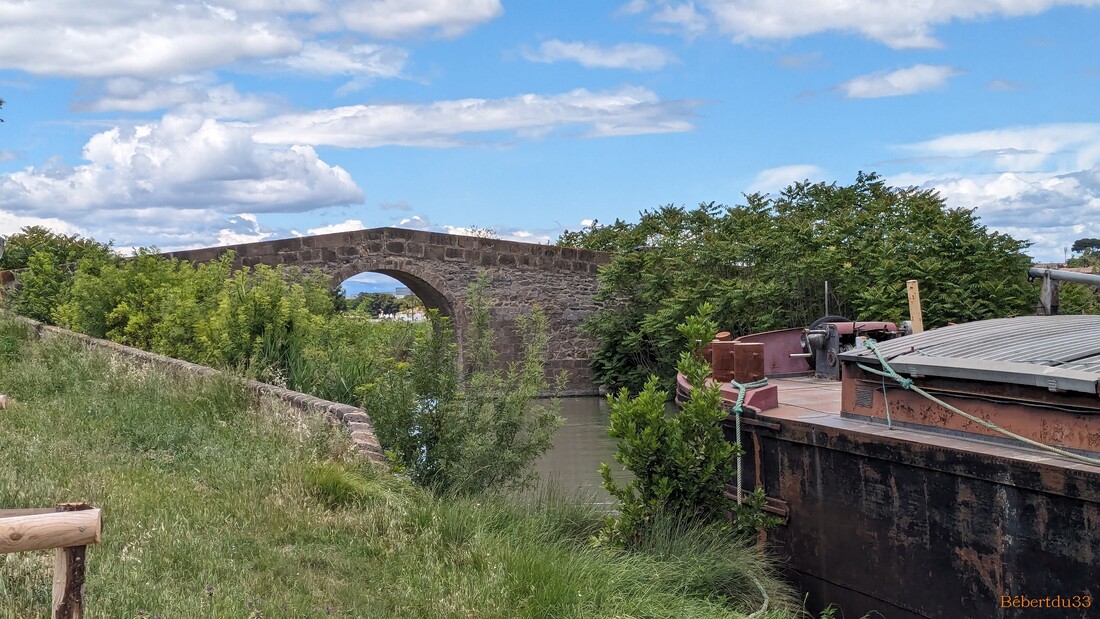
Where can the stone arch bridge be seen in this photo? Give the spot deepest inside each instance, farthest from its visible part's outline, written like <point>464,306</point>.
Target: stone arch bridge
<point>439,268</point>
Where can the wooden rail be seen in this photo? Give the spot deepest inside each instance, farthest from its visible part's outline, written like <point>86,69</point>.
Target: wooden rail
<point>69,528</point>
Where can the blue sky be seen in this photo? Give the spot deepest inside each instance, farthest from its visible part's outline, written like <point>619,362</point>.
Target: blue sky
<point>182,124</point>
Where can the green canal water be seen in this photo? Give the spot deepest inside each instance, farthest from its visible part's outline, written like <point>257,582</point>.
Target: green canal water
<point>579,447</point>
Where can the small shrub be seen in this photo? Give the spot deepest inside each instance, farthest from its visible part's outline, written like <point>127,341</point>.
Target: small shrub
<point>681,463</point>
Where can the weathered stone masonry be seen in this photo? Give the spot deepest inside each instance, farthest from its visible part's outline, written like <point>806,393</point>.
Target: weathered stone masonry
<point>439,268</point>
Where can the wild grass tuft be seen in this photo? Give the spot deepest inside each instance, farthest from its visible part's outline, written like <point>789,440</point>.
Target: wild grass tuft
<point>340,484</point>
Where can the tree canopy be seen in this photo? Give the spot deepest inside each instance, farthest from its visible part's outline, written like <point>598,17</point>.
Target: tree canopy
<point>763,265</point>
<point>1085,245</point>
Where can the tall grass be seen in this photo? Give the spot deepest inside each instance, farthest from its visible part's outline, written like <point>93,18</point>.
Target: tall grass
<point>217,506</point>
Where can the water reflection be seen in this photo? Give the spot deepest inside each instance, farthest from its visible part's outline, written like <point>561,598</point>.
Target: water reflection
<point>573,463</point>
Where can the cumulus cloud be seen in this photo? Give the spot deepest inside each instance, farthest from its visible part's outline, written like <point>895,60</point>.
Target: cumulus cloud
<point>399,18</point>
<point>633,56</point>
<point>918,78</point>
<point>626,111</point>
<point>162,38</point>
<point>344,226</point>
<point>896,23</point>
<point>173,182</point>
<point>1040,183</point>
<point>247,230</point>
<point>135,38</point>
<point>776,179</point>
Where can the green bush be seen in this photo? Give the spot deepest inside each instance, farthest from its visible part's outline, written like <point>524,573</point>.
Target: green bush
<point>471,432</point>
<point>681,462</point>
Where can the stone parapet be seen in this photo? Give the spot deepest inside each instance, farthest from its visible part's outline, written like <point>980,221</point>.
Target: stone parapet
<point>356,420</point>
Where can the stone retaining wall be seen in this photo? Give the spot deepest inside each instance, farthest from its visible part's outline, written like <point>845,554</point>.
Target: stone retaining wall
<point>354,419</point>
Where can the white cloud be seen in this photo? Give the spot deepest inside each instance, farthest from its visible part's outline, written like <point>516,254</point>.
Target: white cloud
<point>135,38</point>
<point>364,60</point>
<point>626,111</point>
<point>173,182</point>
<point>198,95</point>
<point>776,179</point>
<point>1040,183</point>
<point>539,236</point>
<point>633,7</point>
<point>10,223</point>
<point>163,38</point>
<point>399,18</point>
<point>633,56</point>
<point>1066,147</point>
<point>918,78</point>
<point>251,232</point>
<point>896,23</point>
<point>344,226</point>
<point>681,17</point>
<point>1003,85</point>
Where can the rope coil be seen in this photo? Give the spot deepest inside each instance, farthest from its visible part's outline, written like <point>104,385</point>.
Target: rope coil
<point>907,383</point>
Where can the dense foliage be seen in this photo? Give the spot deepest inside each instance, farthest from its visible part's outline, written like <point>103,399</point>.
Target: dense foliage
<point>63,248</point>
<point>464,434</point>
<point>763,266</point>
<point>681,462</point>
<point>49,259</point>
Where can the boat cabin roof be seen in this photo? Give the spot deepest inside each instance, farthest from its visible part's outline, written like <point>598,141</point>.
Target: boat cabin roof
<point>1059,353</point>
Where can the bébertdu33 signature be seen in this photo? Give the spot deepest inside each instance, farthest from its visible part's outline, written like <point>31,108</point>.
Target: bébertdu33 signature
<point>1050,601</point>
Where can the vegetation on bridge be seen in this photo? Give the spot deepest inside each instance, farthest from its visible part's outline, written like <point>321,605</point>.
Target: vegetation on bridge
<point>763,266</point>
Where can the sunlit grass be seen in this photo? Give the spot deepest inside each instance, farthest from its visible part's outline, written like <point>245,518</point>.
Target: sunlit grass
<point>218,506</point>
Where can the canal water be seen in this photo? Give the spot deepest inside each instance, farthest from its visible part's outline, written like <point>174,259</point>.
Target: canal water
<point>573,463</point>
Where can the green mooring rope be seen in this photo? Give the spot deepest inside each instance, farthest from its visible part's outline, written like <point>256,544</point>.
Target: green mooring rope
<point>907,383</point>
<point>738,408</point>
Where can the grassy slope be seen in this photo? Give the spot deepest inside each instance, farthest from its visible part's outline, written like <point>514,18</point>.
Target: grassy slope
<point>213,508</point>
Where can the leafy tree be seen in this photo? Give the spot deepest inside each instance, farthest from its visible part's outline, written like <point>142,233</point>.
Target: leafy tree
<point>1085,245</point>
<point>41,286</point>
<point>763,266</point>
<point>64,249</point>
<point>471,431</point>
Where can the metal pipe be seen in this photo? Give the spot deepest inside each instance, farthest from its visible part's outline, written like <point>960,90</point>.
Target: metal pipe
<point>1068,276</point>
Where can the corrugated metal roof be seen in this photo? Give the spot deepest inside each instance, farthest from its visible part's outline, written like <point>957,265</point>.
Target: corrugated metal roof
<point>1059,352</point>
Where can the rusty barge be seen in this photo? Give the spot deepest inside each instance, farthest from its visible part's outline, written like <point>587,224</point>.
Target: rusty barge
<point>893,503</point>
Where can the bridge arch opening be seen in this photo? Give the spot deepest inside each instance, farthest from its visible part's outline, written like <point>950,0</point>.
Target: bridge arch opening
<point>356,281</point>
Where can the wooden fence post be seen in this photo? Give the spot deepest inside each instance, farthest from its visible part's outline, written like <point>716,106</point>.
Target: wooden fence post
<point>68,528</point>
